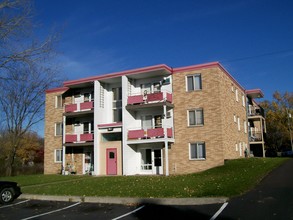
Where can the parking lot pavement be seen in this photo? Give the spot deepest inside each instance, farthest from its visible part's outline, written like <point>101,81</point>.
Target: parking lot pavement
<point>40,209</point>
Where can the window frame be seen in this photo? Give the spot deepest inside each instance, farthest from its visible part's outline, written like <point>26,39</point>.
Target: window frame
<point>195,118</point>
<point>194,76</point>
<point>56,156</point>
<point>197,144</point>
<point>58,103</point>
<point>61,129</point>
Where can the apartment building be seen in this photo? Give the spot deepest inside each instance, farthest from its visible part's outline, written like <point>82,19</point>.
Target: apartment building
<point>155,120</point>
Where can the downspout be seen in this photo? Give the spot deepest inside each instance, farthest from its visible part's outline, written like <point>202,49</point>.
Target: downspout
<point>63,145</point>
<point>166,142</point>
<point>247,126</point>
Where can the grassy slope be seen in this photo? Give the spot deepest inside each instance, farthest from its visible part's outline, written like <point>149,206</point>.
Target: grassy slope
<point>234,178</point>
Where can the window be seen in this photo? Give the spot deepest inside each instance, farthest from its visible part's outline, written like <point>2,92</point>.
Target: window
<point>245,126</point>
<point>236,95</point>
<point>86,97</point>
<point>117,115</point>
<point>235,119</point>
<point>157,87</point>
<point>243,100</point>
<point>58,101</point>
<point>117,104</point>
<point>86,127</point>
<point>195,117</point>
<point>238,123</point>
<point>146,88</point>
<point>58,129</point>
<point>147,122</point>
<point>197,151</point>
<point>158,121</point>
<point>58,156</point>
<point>194,82</point>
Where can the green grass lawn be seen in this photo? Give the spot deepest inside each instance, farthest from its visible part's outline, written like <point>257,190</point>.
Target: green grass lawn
<point>234,178</point>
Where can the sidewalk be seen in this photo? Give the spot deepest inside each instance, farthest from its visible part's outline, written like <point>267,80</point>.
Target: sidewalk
<point>121,200</point>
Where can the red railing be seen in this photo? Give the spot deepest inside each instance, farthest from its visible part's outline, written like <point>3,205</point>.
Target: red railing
<point>79,106</point>
<point>71,108</point>
<point>169,132</point>
<point>136,99</point>
<point>73,138</point>
<point>169,97</point>
<point>149,133</point>
<point>152,97</point>
<point>136,134</point>
<point>70,138</point>
<point>155,132</point>
<point>86,137</point>
<point>86,105</point>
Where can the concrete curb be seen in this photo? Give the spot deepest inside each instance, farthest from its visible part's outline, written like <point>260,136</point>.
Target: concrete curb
<point>123,200</point>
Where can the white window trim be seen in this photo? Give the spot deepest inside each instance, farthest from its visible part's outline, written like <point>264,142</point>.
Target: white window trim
<point>189,148</point>
<point>56,101</point>
<point>58,135</point>
<point>193,75</point>
<point>238,123</point>
<point>243,100</point>
<point>196,125</point>
<point>236,94</point>
<point>55,155</point>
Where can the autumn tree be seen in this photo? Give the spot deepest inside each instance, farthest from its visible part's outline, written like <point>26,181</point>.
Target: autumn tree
<point>26,71</point>
<point>279,113</point>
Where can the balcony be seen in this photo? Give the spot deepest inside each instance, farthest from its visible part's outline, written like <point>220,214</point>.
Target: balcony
<point>255,137</point>
<point>84,106</point>
<point>152,133</point>
<point>77,138</point>
<point>255,111</point>
<point>149,98</point>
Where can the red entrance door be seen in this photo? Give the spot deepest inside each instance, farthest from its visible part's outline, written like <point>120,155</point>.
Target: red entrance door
<point>112,161</point>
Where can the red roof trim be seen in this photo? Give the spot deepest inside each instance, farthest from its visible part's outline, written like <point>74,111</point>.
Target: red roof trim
<point>251,91</point>
<point>61,89</point>
<point>209,65</point>
<point>117,74</point>
<point>194,67</point>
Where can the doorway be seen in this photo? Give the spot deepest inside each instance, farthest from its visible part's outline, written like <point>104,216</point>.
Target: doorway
<point>151,161</point>
<point>111,155</point>
<point>88,162</point>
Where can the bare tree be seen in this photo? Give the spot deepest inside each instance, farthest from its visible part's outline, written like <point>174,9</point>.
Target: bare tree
<point>25,73</point>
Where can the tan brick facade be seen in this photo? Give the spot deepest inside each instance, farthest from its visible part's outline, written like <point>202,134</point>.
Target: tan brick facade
<point>53,115</point>
<point>219,132</point>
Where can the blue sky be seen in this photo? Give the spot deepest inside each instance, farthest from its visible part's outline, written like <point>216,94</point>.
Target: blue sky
<point>253,39</point>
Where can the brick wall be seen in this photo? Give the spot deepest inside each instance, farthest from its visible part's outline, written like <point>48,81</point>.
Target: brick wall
<point>219,131</point>
<point>52,142</point>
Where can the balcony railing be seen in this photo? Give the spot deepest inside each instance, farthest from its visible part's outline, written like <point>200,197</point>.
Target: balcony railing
<point>255,136</point>
<point>149,98</point>
<point>75,138</point>
<point>71,108</point>
<point>79,107</point>
<point>255,111</point>
<point>149,133</point>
